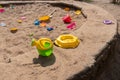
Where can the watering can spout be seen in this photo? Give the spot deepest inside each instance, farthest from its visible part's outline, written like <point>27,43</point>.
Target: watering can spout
<point>34,42</point>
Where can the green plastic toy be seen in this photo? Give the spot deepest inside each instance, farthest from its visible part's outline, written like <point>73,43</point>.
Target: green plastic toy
<point>44,46</point>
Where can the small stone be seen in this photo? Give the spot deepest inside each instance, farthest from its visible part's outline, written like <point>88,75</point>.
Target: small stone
<point>7,59</point>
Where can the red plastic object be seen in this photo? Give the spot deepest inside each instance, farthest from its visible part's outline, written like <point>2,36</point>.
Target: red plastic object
<point>2,10</point>
<point>67,19</point>
<point>72,25</point>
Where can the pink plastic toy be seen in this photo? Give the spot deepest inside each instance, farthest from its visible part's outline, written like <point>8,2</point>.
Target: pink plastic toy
<point>22,18</point>
<point>2,10</point>
<point>72,25</point>
<point>67,19</point>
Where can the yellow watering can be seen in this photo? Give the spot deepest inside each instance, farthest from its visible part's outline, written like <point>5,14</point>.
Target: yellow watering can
<point>44,46</point>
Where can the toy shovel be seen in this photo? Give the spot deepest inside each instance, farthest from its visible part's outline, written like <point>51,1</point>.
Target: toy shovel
<point>47,17</point>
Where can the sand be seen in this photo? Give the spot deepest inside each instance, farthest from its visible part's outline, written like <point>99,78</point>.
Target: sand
<point>19,61</point>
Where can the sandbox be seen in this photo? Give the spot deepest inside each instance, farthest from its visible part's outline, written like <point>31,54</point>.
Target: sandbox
<point>20,61</point>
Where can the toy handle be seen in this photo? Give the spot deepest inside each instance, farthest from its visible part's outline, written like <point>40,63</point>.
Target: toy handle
<point>83,13</point>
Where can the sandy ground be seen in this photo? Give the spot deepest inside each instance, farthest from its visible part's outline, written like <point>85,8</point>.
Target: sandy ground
<point>20,59</point>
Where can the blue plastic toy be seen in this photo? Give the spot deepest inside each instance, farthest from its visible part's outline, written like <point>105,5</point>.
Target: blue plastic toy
<point>49,28</point>
<point>37,22</point>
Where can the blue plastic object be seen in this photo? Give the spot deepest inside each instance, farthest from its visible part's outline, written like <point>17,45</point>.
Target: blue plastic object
<point>49,28</point>
<point>36,22</point>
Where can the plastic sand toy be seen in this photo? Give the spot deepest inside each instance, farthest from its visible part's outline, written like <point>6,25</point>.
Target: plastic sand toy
<point>13,30</point>
<point>77,12</point>
<point>44,18</point>
<point>67,41</point>
<point>36,22</point>
<point>2,10</point>
<point>23,18</point>
<point>107,22</point>
<point>71,25</point>
<point>67,9</point>
<point>19,21</point>
<point>2,24</point>
<point>44,46</point>
<point>47,17</point>
<point>49,28</point>
<point>67,19</point>
<point>43,24</point>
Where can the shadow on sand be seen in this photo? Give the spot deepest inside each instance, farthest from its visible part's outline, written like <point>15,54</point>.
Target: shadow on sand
<point>45,61</point>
